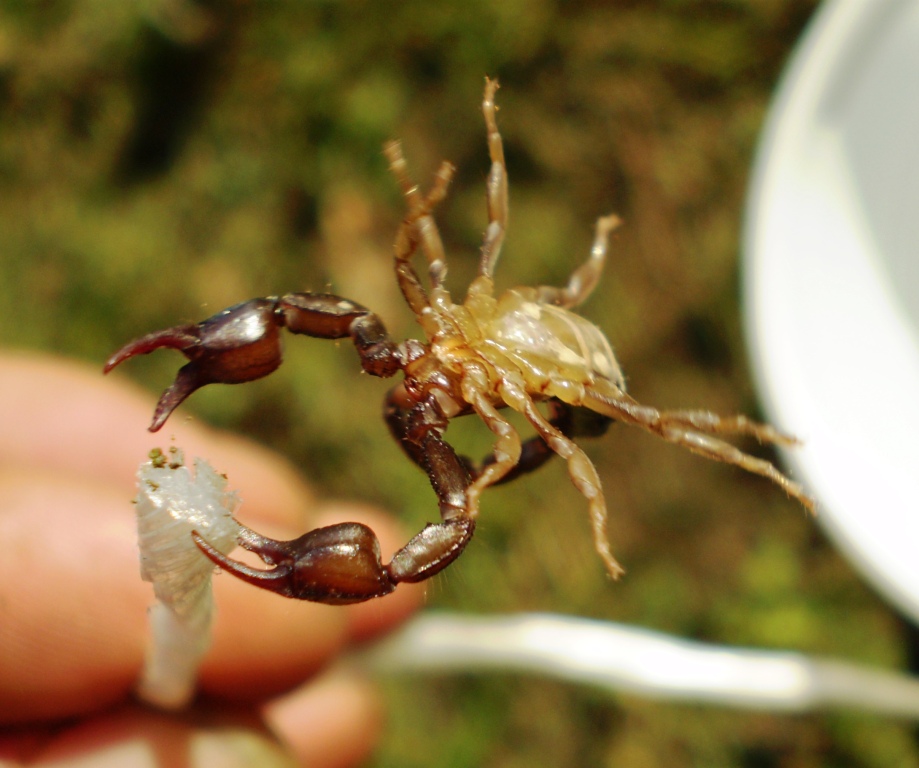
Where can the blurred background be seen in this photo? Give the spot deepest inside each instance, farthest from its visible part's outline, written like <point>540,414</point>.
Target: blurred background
<point>162,160</point>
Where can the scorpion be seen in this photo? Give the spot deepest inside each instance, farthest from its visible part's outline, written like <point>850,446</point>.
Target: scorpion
<point>522,348</point>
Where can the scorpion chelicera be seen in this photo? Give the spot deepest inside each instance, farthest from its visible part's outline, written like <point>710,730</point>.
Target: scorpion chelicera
<point>516,350</point>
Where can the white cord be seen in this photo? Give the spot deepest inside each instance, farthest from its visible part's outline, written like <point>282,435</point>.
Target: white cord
<point>619,657</point>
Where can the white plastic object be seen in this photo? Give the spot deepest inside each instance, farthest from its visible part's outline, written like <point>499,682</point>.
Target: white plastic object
<point>832,280</point>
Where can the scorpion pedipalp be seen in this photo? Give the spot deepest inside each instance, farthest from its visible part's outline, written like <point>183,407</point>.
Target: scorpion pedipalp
<point>234,346</point>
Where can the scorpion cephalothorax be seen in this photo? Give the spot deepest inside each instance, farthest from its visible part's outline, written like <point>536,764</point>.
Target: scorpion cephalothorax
<point>519,349</point>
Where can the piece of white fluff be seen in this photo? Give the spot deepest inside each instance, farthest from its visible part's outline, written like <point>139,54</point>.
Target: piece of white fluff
<point>171,503</point>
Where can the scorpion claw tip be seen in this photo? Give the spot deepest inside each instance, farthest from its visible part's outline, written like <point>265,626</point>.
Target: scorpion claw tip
<point>125,353</point>
<point>187,381</point>
<point>180,337</point>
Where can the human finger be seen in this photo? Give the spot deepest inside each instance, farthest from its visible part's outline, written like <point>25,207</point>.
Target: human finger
<point>133,735</point>
<point>73,626</point>
<point>63,416</point>
<point>335,721</point>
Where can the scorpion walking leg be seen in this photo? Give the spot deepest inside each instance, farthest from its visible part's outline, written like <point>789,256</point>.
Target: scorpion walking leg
<point>507,449</point>
<point>416,297</point>
<point>419,227</point>
<point>688,428</point>
<point>581,470</point>
<point>584,279</point>
<point>570,421</point>
<point>496,186</point>
<point>712,423</point>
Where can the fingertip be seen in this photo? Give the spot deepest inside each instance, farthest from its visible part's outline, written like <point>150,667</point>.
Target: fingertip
<point>265,644</point>
<point>62,415</point>
<point>334,722</point>
<point>132,735</point>
<point>74,603</point>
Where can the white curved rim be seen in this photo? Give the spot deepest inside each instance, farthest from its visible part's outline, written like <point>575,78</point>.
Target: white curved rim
<point>833,347</point>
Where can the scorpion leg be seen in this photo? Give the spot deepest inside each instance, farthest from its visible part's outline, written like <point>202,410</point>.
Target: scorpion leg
<point>712,423</point>
<point>570,421</point>
<point>689,428</point>
<point>507,449</point>
<point>584,279</point>
<point>496,186</point>
<point>580,468</point>
<point>419,227</point>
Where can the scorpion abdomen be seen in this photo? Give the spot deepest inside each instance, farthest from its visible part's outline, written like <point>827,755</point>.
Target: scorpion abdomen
<point>548,344</point>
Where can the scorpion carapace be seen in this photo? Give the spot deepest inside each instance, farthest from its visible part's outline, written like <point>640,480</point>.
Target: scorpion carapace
<point>524,347</point>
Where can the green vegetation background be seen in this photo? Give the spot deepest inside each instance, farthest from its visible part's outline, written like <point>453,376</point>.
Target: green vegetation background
<point>160,160</point>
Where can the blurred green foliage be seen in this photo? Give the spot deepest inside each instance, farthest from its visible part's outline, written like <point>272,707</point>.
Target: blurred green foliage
<point>160,160</point>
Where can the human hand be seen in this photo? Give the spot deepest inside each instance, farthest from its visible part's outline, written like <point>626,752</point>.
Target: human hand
<point>73,625</point>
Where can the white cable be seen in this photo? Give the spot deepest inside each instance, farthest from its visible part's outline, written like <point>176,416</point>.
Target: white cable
<point>622,658</point>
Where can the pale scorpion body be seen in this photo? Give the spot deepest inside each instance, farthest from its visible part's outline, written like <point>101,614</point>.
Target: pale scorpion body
<point>519,349</point>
